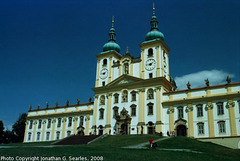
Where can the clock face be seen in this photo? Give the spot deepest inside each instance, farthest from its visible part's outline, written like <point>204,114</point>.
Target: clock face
<point>104,73</point>
<point>150,64</point>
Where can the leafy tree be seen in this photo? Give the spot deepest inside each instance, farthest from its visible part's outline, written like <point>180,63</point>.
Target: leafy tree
<point>18,128</point>
<point>8,137</point>
<point>1,131</point>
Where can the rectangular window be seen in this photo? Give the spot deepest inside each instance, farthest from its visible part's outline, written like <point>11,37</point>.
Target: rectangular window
<point>199,111</point>
<point>220,108</point>
<point>49,123</point>
<point>180,112</point>
<point>38,136</point>
<point>101,114</point>
<point>150,109</point>
<point>59,122</point>
<point>133,96</point>
<point>115,98</point>
<point>69,121</point>
<point>150,75</point>
<point>222,127</point>
<point>40,124</point>
<point>31,124</point>
<point>133,113</point>
<point>201,129</point>
<point>47,137</point>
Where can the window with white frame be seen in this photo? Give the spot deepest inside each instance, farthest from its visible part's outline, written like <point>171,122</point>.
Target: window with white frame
<point>134,93</point>
<point>116,98</point>
<point>221,126</point>
<point>150,108</point>
<point>49,123</point>
<point>39,124</point>
<point>57,135</point>
<point>47,136</point>
<point>101,114</point>
<point>38,136</point>
<point>180,112</point>
<point>133,110</point>
<point>31,124</point>
<point>29,136</point>
<point>199,110</point>
<point>200,128</point>
<point>59,122</point>
<point>220,108</point>
<point>115,112</point>
<point>69,121</point>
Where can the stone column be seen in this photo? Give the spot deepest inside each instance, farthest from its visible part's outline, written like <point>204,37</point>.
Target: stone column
<point>75,122</point>
<point>26,131</point>
<point>98,69</point>
<point>158,61</point>
<point>64,127</point>
<point>141,110</point>
<point>87,124</point>
<point>141,65</point>
<point>53,127</point>
<point>110,71</point>
<point>34,129</point>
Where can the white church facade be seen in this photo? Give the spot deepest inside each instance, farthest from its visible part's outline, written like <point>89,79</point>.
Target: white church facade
<point>138,96</point>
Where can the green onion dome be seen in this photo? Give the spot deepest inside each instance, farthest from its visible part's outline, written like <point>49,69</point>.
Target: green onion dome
<point>111,45</point>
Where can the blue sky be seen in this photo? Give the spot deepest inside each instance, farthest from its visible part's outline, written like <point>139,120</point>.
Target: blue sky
<point>48,48</point>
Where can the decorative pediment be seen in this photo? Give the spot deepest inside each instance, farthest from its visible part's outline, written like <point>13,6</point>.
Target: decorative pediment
<point>124,79</point>
<point>180,121</point>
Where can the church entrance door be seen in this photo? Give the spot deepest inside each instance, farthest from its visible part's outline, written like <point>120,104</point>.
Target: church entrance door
<point>181,130</point>
<point>123,122</point>
<point>124,129</point>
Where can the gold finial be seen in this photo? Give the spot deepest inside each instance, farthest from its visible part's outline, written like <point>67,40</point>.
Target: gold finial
<point>153,8</point>
<point>112,21</point>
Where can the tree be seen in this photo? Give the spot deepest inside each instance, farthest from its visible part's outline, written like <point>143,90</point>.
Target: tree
<point>8,137</point>
<point>1,131</point>
<point>18,128</point>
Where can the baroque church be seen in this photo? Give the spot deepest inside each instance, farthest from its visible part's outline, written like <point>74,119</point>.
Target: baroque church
<point>138,96</point>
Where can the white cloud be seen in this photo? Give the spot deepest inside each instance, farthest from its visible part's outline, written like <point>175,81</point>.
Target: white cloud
<point>197,79</point>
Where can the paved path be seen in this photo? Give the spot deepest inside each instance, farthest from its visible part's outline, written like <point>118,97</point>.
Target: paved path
<point>143,145</point>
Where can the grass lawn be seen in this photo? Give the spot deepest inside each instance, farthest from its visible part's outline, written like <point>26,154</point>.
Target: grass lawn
<point>109,149</point>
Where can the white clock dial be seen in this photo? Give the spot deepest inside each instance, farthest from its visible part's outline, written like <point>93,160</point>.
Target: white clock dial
<point>150,64</point>
<point>104,73</point>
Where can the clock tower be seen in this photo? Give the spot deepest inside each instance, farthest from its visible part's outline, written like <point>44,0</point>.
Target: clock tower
<point>154,53</point>
<point>106,58</point>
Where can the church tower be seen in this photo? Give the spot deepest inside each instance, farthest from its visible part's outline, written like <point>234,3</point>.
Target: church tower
<point>154,53</point>
<point>105,59</point>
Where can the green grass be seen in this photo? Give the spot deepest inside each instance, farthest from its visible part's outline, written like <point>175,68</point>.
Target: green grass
<point>110,149</point>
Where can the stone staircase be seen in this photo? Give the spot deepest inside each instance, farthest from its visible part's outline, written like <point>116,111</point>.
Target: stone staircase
<point>76,139</point>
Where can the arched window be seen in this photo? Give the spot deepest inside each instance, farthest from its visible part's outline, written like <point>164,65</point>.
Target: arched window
<point>126,68</point>
<point>134,95</point>
<point>133,110</point>
<point>115,112</point>
<point>116,95</point>
<point>31,124</point>
<point>29,136</point>
<point>49,123</point>
<point>47,136</point>
<point>57,135</point>
<point>68,133</point>
<point>40,124</point>
<point>150,94</point>
<point>125,96</point>
<point>104,62</point>
<point>150,52</point>
<point>102,100</point>
<point>38,136</point>
<point>59,122</point>
<point>69,121</point>
<point>81,120</point>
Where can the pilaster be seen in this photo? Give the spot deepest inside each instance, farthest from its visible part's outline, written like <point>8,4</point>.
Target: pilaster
<point>75,120</point>
<point>158,62</point>
<point>110,71</point>
<point>232,118</point>
<point>53,127</point>
<point>209,108</point>
<point>108,120</point>
<point>98,68</point>
<point>26,129</point>
<point>158,110</point>
<point>34,129</point>
<point>95,112</point>
<point>87,124</point>
<point>64,126</point>
<point>44,127</point>
<point>171,118</point>
<point>190,120</point>
<point>141,110</point>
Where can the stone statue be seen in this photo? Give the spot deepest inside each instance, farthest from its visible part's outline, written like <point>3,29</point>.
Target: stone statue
<point>56,104</point>
<point>67,103</point>
<point>47,105</point>
<point>30,107</point>
<point>207,82</point>
<point>78,101</point>
<point>188,85</point>
<point>90,100</point>
<point>228,79</point>
<point>38,107</point>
